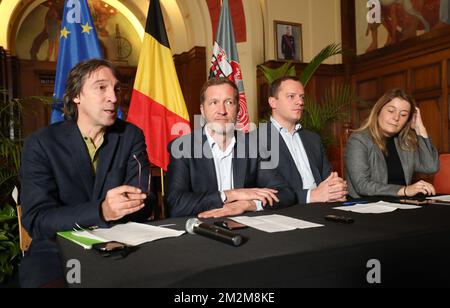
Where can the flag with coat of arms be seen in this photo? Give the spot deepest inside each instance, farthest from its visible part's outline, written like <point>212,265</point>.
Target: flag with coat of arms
<point>225,62</point>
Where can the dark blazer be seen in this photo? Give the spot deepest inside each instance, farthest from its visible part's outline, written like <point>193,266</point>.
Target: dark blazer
<point>59,188</point>
<point>192,182</point>
<point>315,151</point>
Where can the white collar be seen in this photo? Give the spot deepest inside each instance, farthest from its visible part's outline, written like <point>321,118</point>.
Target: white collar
<point>280,128</point>
<point>213,143</point>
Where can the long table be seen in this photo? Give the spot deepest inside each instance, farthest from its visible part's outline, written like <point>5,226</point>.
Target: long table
<point>401,248</point>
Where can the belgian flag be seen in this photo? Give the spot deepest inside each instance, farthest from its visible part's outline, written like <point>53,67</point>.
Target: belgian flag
<point>157,103</point>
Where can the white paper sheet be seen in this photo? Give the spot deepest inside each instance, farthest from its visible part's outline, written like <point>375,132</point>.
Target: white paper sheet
<point>406,206</point>
<point>275,223</point>
<point>442,198</point>
<point>131,233</point>
<point>376,208</point>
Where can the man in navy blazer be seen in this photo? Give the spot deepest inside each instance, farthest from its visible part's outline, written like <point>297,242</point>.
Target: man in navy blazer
<point>302,158</point>
<point>81,172</point>
<point>212,172</point>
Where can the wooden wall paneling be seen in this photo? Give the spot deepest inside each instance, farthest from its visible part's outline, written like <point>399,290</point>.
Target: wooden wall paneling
<point>446,120</point>
<point>348,29</point>
<point>409,80</point>
<point>368,93</point>
<point>8,87</point>
<point>2,68</point>
<point>446,72</point>
<point>12,77</point>
<point>427,78</point>
<point>422,68</point>
<point>3,86</point>
<point>127,76</point>
<point>368,89</point>
<point>391,81</point>
<point>425,62</point>
<point>318,85</point>
<point>432,43</point>
<point>35,113</point>
<point>431,115</point>
<point>191,70</point>
<point>445,107</point>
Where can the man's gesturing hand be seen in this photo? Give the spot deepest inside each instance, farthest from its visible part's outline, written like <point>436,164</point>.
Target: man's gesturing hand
<point>121,201</point>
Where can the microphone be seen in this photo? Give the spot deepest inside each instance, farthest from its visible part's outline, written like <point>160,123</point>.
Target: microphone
<point>194,225</point>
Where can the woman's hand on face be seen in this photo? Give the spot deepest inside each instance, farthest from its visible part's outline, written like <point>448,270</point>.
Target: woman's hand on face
<point>417,124</point>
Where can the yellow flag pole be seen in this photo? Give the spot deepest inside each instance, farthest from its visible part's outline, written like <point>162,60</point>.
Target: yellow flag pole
<point>163,208</point>
<point>162,182</point>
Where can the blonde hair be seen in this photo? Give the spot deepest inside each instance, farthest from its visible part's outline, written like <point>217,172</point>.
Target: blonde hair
<point>407,137</point>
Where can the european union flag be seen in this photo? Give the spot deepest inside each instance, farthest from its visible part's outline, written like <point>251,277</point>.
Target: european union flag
<point>78,42</point>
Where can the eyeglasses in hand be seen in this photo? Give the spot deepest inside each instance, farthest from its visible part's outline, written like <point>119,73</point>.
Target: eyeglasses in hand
<point>144,182</point>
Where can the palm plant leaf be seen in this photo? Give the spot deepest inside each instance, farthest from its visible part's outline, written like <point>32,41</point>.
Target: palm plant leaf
<point>7,213</point>
<point>272,74</point>
<point>335,103</point>
<point>333,107</point>
<point>10,151</point>
<point>288,69</point>
<point>46,100</point>
<point>328,51</point>
<point>6,175</point>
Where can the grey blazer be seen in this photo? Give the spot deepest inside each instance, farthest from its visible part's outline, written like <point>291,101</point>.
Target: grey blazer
<point>366,168</point>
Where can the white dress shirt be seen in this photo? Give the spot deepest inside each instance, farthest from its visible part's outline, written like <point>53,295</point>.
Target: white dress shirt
<point>223,164</point>
<point>298,153</point>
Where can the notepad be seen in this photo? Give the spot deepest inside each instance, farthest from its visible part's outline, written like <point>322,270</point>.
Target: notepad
<point>81,239</point>
<point>131,233</point>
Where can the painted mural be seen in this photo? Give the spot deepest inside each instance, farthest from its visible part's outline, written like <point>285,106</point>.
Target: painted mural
<point>38,35</point>
<point>400,20</point>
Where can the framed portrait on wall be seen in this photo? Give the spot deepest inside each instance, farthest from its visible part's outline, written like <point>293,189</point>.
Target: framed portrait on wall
<point>288,41</point>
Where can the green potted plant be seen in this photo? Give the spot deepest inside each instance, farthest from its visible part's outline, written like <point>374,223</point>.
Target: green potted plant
<point>9,242</point>
<point>10,150</point>
<point>288,69</point>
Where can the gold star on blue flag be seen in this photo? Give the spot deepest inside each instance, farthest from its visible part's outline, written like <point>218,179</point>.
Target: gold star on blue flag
<point>86,28</point>
<point>64,33</point>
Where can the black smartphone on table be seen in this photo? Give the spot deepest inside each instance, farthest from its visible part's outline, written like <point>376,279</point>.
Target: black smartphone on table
<point>230,224</point>
<point>111,248</point>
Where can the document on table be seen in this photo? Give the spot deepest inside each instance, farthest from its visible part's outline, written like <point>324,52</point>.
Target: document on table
<point>441,198</point>
<point>376,208</point>
<point>131,233</point>
<point>274,223</point>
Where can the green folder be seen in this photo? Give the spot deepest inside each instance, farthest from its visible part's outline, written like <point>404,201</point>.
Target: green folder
<point>85,242</point>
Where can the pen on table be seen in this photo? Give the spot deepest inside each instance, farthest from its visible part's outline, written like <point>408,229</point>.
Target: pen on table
<point>168,225</point>
<point>355,202</point>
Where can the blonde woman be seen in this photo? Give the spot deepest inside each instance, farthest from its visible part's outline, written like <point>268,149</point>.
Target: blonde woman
<point>393,143</point>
